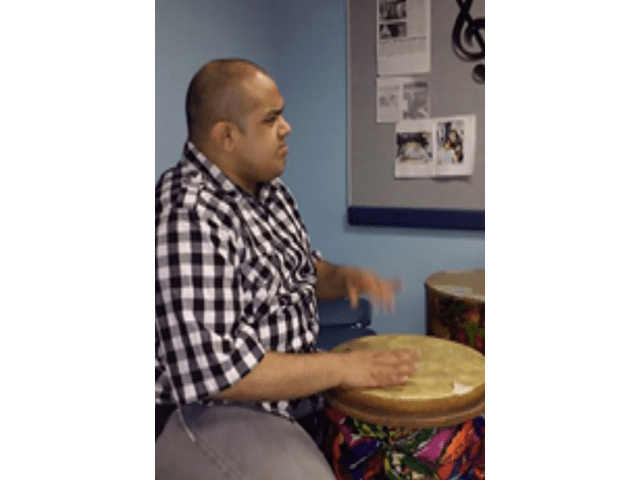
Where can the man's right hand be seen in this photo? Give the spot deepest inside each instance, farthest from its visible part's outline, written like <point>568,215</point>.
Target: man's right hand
<point>284,376</point>
<point>376,368</point>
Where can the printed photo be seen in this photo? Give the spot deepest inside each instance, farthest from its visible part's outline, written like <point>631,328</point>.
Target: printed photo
<point>388,98</point>
<point>416,100</point>
<point>414,147</point>
<point>393,9</point>
<point>393,30</point>
<point>450,141</point>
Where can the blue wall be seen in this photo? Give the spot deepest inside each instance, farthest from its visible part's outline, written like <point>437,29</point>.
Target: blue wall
<point>303,45</point>
<point>188,35</point>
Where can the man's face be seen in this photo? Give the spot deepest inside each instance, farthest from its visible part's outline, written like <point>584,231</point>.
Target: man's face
<point>261,151</point>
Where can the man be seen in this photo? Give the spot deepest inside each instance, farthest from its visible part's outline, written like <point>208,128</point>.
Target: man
<point>236,290</point>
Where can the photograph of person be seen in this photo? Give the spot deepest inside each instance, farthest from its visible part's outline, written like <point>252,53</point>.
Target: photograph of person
<point>450,143</point>
<point>416,100</point>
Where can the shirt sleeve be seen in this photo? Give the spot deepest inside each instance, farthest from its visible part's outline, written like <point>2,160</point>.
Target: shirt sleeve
<point>204,342</point>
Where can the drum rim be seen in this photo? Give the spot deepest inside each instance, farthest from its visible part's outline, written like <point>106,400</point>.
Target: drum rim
<point>411,420</point>
<point>471,299</point>
<point>455,296</point>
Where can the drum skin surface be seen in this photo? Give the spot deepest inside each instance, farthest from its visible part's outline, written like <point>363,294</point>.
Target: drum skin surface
<point>447,388</point>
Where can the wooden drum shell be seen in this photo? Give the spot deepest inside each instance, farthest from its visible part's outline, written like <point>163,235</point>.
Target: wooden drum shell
<point>456,307</point>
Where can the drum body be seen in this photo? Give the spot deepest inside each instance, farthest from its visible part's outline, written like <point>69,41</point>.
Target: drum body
<point>455,307</point>
<point>432,427</point>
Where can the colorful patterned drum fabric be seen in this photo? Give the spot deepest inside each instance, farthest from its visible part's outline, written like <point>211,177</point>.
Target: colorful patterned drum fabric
<point>428,428</point>
<point>455,306</point>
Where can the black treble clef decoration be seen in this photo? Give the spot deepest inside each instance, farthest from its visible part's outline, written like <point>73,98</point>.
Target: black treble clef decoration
<point>465,31</point>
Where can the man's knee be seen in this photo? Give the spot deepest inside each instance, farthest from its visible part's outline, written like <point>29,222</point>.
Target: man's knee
<point>242,444</point>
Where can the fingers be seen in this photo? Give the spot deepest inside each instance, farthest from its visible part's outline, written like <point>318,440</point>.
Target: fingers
<point>387,294</point>
<point>393,373</point>
<point>381,292</point>
<point>402,356</point>
<point>354,298</point>
<point>388,379</point>
<point>380,368</point>
<point>394,369</point>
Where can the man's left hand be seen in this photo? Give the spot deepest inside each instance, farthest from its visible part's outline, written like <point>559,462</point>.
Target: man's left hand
<point>364,282</point>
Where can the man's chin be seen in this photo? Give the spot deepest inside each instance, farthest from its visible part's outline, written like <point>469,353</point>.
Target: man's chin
<point>283,164</point>
<point>278,170</point>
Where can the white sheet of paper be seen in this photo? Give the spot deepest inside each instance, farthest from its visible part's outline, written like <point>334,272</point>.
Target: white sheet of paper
<point>434,147</point>
<point>402,98</point>
<point>403,36</point>
<point>414,149</point>
<point>455,145</point>
<point>389,93</point>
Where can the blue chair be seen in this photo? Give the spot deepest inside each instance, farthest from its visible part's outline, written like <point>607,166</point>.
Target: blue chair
<point>339,323</point>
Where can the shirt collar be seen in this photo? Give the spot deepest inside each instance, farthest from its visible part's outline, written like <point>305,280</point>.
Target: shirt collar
<point>192,154</point>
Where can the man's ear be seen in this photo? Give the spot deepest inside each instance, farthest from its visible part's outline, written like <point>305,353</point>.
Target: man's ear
<point>224,135</point>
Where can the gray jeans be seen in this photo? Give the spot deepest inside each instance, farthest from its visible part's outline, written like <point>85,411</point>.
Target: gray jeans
<point>236,443</point>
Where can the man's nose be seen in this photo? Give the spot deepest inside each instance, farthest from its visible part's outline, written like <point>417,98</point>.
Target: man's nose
<point>286,128</point>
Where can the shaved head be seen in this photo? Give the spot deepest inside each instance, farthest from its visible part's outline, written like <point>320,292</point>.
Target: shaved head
<point>216,93</point>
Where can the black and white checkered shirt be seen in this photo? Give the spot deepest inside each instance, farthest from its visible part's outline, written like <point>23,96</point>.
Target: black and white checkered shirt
<point>235,277</point>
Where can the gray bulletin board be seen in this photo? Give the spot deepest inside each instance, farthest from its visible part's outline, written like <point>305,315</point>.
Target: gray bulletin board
<point>375,196</point>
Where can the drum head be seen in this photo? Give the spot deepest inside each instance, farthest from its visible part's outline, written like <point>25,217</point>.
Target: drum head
<point>465,284</point>
<point>447,389</point>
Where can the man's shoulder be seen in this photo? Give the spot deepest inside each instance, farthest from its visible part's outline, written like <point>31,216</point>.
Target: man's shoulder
<point>178,187</point>
<point>185,188</point>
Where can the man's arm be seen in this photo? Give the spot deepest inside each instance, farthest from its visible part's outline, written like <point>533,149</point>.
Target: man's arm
<point>285,376</point>
<point>336,281</point>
